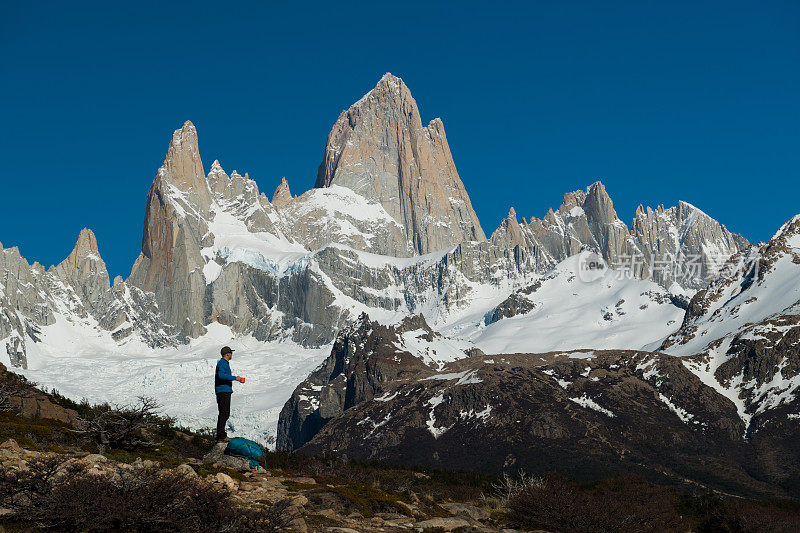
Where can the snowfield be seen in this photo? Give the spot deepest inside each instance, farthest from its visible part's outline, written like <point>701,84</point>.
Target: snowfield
<point>615,312</point>
<point>180,379</point>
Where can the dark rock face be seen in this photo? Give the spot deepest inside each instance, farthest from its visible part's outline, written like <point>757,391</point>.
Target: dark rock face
<point>588,414</point>
<point>515,304</point>
<point>613,413</point>
<point>756,359</point>
<point>365,357</point>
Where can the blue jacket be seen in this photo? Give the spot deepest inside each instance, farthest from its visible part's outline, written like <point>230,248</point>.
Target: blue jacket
<point>223,379</point>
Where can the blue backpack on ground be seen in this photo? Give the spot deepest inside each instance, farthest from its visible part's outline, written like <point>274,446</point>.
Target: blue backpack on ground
<point>247,448</point>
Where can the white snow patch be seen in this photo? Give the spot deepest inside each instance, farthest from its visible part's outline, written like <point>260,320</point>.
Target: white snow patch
<point>682,413</point>
<point>234,242</point>
<point>431,423</point>
<point>563,301</point>
<point>586,401</point>
<point>386,397</point>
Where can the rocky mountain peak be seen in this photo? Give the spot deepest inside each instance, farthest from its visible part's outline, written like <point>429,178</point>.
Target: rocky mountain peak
<point>598,204</point>
<point>183,167</point>
<point>85,248</point>
<point>570,200</point>
<point>84,270</point>
<point>594,201</point>
<point>788,229</point>
<point>380,149</point>
<point>388,88</point>
<point>87,242</point>
<point>686,237</point>
<point>183,157</point>
<point>509,233</point>
<point>216,168</point>
<point>282,194</point>
<point>176,222</point>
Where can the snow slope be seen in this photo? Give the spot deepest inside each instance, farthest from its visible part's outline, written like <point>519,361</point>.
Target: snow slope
<point>89,365</point>
<point>617,311</point>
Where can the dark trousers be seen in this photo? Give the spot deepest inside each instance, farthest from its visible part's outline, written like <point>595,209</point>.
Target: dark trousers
<point>224,406</point>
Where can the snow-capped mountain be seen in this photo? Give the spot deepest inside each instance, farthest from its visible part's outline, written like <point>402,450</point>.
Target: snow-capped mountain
<point>389,231</point>
<point>717,406</point>
<point>742,333</point>
<point>588,413</point>
<point>216,250</point>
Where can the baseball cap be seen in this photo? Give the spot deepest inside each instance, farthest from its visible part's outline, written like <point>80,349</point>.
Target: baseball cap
<point>226,349</point>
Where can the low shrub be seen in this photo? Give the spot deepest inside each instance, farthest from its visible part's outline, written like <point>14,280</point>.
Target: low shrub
<point>125,426</point>
<point>64,495</point>
<point>440,485</point>
<point>712,513</point>
<point>630,503</point>
<point>621,504</point>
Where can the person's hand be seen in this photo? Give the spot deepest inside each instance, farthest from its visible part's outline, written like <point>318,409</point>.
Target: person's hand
<point>240,379</point>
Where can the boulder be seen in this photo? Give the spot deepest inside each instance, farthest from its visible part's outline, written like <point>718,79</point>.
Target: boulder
<point>462,509</point>
<point>217,455</point>
<point>445,524</point>
<point>186,470</point>
<point>95,458</point>
<point>226,480</point>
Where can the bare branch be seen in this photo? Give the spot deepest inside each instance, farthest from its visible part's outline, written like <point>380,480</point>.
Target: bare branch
<point>123,426</point>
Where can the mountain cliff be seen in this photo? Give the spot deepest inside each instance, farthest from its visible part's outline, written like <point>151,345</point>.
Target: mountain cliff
<point>380,149</point>
<point>178,206</point>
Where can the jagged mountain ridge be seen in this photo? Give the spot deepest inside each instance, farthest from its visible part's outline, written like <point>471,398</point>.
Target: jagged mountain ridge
<point>727,380</point>
<point>215,249</point>
<point>679,245</point>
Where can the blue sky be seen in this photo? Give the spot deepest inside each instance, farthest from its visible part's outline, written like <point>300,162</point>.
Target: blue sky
<point>662,101</point>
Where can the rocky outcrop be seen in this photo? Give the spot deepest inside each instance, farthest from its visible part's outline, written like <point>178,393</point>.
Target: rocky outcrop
<point>24,399</point>
<point>586,220</point>
<point>380,149</point>
<point>25,305</point>
<point>365,356</point>
<point>516,304</point>
<point>238,196</point>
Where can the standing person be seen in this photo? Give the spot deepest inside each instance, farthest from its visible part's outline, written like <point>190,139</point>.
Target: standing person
<point>223,386</point>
